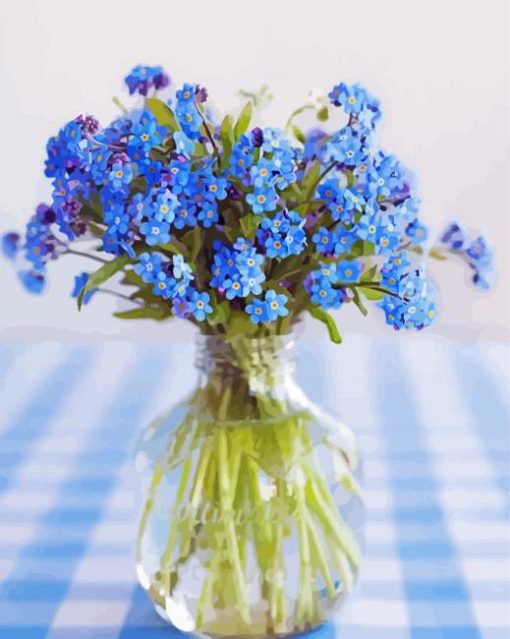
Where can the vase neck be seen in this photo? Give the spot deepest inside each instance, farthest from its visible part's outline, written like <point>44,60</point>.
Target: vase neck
<point>245,371</point>
<point>267,360</point>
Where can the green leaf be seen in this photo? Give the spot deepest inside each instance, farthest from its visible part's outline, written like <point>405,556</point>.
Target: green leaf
<point>323,114</point>
<point>101,275</point>
<point>142,313</point>
<point>163,114</point>
<point>369,274</point>
<point>362,247</point>
<point>243,121</point>
<point>174,246</point>
<point>249,225</point>
<point>227,137</point>
<point>220,313</point>
<point>326,319</point>
<point>370,293</point>
<point>298,134</point>
<point>310,179</point>
<point>197,243</point>
<point>357,300</point>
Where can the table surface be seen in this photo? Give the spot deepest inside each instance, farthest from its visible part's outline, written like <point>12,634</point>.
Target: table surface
<point>432,419</point>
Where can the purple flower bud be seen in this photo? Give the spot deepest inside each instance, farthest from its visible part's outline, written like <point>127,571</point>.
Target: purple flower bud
<point>89,124</point>
<point>257,136</point>
<point>121,157</point>
<point>79,226</point>
<point>167,269</point>
<point>161,80</point>
<point>311,219</point>
<point>71,206</point>
<point>45,214</point>
<point>201,94</point>
<point>233,193</point>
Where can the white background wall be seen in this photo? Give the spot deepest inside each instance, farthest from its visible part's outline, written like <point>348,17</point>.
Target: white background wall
<point>440,68</point>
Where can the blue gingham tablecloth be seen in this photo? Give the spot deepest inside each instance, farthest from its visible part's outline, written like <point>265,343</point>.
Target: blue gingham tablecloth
<point>433,421</point>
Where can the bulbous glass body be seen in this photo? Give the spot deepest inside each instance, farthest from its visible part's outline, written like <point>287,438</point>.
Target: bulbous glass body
<point>253,519</point>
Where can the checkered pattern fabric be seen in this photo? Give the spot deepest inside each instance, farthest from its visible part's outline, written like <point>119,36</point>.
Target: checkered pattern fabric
<point>432,419</point>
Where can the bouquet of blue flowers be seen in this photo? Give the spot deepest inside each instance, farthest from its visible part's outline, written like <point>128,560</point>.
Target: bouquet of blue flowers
<point>238,229</point>
<point>241,230</point>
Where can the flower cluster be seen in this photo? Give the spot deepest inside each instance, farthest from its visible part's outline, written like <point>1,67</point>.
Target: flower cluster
<point>413,305</point>
<point>235,227</point>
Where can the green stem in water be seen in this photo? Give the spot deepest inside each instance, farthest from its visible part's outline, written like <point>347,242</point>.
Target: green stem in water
<point>226,499</point>
<point>222,507</point>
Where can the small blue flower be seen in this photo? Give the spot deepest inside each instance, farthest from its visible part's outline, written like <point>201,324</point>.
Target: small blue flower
<point>117,219</point>
<point>120,176</point>
<point>199,305</point>
<point>356,101</point>
<point>181,269</point>
<point>156,231</point>
<point>183,145</point>
<point>151,170</point>
<point>79,284</point>
<point>387,240</point>
<point>216,187</point>
<point>346,148</point>
<point>99,164</point>
<point>208,214</point>
<point>165,206</point>
<point>181,307</point>
<point>187,93</point>
<point>185,216</point>
<point>164,285</point>
<point>258,310</point>
<point>262,200</point>
<point>350,96</point>
<point>416,232</point>
<point>179,169</point>
<point>262,173</point>
<point>274,139</point>
<point>324,241</point>
<point>10,245</point>
<point>388,177</point>
<point>33,281</point>
<point>249,264</point>
<point>139,207</point>
<point>146,133</point>
<point>142,78</point>
<point>233,287</point>
<point>276,305</point>
<point>348,271</point>
<point>148,266</point>
<point>241,157</point>
<point>324,295</point>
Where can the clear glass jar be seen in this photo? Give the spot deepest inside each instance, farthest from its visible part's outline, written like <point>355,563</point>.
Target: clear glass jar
<point>253,519</point>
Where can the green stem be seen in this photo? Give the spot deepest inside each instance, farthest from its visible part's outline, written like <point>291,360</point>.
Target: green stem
<point>318,555</point>
<point>304,608</point>
<point>226,500</point>
<point>172,536</point>
<point>148,508</point>
<point>295,113</point>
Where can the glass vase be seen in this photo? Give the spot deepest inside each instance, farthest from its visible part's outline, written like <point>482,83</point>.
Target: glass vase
<point>253,520</point>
